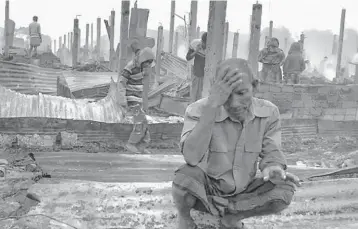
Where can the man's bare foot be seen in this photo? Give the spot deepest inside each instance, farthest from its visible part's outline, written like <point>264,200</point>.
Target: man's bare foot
<point>186,223</point>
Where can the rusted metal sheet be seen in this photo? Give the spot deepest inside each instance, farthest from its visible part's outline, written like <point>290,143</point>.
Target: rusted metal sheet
<point>28,79</point>
<point>107,110</point>
<point>78,80</point>
<point>175,65</point>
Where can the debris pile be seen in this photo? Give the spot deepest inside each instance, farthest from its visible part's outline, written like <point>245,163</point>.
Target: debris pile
<point>92,67</point>
<point>21,172</point>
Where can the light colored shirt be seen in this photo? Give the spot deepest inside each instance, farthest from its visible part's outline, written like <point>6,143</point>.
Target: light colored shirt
<point>34,29</point>
<point>234,150</point>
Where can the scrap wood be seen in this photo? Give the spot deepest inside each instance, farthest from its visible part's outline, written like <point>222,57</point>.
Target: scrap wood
<point>340,172</point>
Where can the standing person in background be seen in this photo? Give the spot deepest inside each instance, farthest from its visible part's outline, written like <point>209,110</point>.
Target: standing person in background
<point>272,58</point>
<point>294,64</point>
<point>132,78</point>
<point>35,35</point>
<point>197,52</point>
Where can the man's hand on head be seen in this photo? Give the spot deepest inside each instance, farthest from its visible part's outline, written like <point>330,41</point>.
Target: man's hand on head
<point>226,81</point>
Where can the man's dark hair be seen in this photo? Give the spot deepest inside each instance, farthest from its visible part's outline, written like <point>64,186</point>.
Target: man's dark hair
<point>243,66</point>
<point>35,18</point>
<point>204,36</point>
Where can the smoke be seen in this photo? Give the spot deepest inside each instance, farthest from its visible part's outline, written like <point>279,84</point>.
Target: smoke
<point>182,51</point>
<point>329,73</point>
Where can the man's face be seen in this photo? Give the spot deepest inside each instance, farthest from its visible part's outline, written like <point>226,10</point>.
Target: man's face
<point>240,99</point>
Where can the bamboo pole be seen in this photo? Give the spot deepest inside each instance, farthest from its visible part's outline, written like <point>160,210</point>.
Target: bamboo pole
<point>6,29</point>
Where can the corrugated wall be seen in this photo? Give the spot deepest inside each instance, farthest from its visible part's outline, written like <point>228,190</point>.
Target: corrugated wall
<point>28,79</point>
<point>107,110</point>
<point>31,79</point>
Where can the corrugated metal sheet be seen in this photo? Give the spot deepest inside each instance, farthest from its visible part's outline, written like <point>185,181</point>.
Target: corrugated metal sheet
<point>82,80</point>
<point>107,110</point>
<point>28,79</point>
<point>304,128</point>
<point>175,65</point>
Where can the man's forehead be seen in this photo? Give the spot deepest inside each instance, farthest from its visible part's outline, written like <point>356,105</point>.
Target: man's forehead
<point>240,65</point>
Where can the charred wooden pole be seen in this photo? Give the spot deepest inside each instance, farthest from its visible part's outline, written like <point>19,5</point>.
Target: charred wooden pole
<point>340,44</point>
<point>54,47</point>
<point>75,43</point>
<point>79,40</point>
<point>124,34</point>
<point>175,48</point>
<point>159,53</point>
<point>64,41</point>
<point>171,31</point>
<point>193,20</point>
<point>334,45</point>
<point>111,42</point>
<point>215,42</point>
<point>68,41</point>
<point>235,45</point>
<point>87,42</point>
<point>198,32</point>
<point>255,37</point>
<point>98,43</point>
<point>226,37</point>
<point>71,41</point>
<point>60,43</point>
<point>270,29</point>
<point>6,29</point>
<point>91,36</point>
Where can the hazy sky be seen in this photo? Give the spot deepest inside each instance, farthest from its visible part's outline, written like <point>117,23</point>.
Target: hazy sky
<point>56,16</point>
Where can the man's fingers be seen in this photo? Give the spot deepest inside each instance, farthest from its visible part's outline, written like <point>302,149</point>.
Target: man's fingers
<point>266,174</point>
<point>293,178</point>
<point>222,73</point>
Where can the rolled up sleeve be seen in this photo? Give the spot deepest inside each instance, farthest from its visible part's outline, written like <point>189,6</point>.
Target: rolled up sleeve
<point>189,124</point>
<point>271,153</point>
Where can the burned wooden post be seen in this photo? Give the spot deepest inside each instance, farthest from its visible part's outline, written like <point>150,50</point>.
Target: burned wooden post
<point>87,42</point>
<point>159,52</point>
<point>91,36</point>
<point>54,47</point>
<point>111,42</point>
<point>64,41</point>
<point>193,20</point>
<point>176,40</point>
<point>79,40</point>
<point>98,43</point>
<point>171,31</point>
<point>215,42</point>
<point>255,37</point>
<point>235,45</point>
<point>334,45</point>
<point>340,45</point>
<point>75,43</point>
<point>6,29</point>
<point>270,29</point>
<point>60,43</point>
<point>226,37</point>
<point>124,34</point>
<point>68,41</point>
<point>198,32</point>
<point>71,41</point>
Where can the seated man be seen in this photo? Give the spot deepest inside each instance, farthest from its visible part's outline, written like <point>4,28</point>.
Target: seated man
<point>223,138</point>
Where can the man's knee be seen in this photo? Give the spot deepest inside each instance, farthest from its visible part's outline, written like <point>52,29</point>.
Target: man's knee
<point>193,172</point>
<point>282,196</point>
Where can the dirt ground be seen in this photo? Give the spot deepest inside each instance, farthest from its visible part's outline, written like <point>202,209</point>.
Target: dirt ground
<point>119,190</point>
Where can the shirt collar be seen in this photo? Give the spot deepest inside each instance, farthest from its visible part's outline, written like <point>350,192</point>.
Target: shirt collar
<point>257,109</point>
